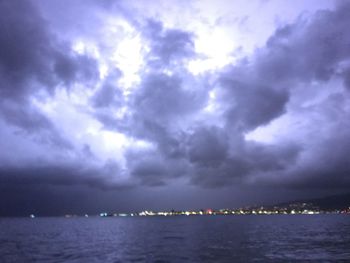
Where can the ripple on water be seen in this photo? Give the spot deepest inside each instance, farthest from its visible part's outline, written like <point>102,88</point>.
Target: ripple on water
<point>178,239</point>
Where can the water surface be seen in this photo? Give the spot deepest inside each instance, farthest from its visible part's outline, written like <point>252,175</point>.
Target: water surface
<point>248,238</point>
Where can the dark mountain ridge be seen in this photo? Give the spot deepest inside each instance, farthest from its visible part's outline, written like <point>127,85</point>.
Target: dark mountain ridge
<point>332,202</point>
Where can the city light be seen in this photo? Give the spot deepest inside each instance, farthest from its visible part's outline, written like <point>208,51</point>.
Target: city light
<point>290,209</point>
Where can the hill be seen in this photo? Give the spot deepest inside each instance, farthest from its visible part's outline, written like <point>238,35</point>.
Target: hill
<point>333,202</point>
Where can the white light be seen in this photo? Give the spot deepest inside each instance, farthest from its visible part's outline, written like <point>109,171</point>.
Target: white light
<point>86,47</point>
<point>271,132</point>
<point>113,140</point>
<point>79,47</point>
<point>128,57</point>
<point>211,103</point>
<point>216,46</point>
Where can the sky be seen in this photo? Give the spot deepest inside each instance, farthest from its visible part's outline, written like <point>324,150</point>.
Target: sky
<point>132,105</point>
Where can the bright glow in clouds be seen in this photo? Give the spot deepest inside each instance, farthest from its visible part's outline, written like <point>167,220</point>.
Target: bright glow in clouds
<point>79,47</point>
<point>211,103</point>
<point>128,56</point>
<point>215,46</point>
<point>81,127</point>
<point>113,141</point>
<point>163,94</point>
<point>125,47</point>
<point>84,47</point>
<point>277,131</point>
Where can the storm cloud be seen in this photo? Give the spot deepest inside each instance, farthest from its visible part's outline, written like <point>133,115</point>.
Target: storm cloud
<point>145,101</point>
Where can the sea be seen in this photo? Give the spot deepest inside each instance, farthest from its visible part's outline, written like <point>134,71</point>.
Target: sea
<point>236,238</point>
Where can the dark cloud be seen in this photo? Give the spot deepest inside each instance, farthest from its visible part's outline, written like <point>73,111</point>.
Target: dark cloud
<point>258,90</point>
<point>30,55</point>
<point>168,46</point>
<point>179,127</point>
<point>310,49</point>
<point>151,168</point>
<point>208,146</point>
<point>251,94</point>
<point>163,98</point>
<point>251,104</point>
<point>75,68</point>
<point>64,174</point>
<point>167,92</point>
<point>25,46</point>
<point>33,60</point>
<point>33,124</point>
<point>346,77</point>
<point>236,165</point>
<point>108,94</point>
<point>324,163</point>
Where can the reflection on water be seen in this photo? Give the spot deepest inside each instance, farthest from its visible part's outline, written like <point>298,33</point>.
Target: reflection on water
<point>177,239</point>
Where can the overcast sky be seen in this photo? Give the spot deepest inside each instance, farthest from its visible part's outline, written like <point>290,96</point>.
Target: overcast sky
<point>131,105</point>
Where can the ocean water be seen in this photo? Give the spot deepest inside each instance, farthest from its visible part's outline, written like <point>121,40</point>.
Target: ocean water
<point>247,238</point>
